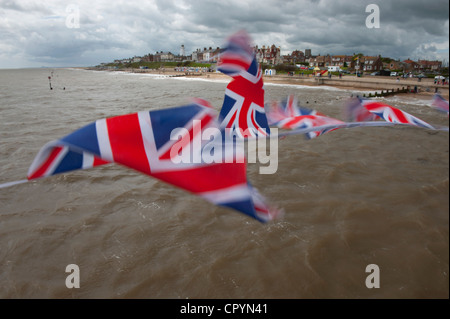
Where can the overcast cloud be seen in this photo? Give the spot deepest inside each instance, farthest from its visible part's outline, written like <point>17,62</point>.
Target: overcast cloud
<point>38,33</point>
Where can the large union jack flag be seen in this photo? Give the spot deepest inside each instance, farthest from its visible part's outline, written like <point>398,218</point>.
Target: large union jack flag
<point>243,106</point>
<point>144,141</point>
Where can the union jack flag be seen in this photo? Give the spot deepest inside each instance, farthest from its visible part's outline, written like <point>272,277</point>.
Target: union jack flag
<point>292,109</point>
<point>354,111</point>
<point>275,113</point>
<point>287,115</point>
<point>439,103</point>
<point>144,141</point>
<point>243,106</point>
<point>237,57</point>
<point>393,115</point>
<point>311,121</point>
<point>368,110</point>
<point>290,106</point>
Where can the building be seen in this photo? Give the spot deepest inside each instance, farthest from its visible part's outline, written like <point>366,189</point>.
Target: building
<point>367,64</point>
<point>298,56</point>
<point>429,66</point>
<point>342,61</point>
<point>270,72</point>
<point>394,65</point>
<point>373,63</point>
<point>308,53</point>
<point>268,55</point>
<point>409,66</point>
<point>206,55</point>
<point>216,54</point>
<point>147,58</point>
<point>320,61</point>
<point>163,57</point>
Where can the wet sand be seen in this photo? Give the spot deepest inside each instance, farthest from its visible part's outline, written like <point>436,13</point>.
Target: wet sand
<point>426,87</point>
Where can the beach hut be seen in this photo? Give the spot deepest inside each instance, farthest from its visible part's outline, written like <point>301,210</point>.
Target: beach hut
<point>270,72</point>
<point>316,70</point>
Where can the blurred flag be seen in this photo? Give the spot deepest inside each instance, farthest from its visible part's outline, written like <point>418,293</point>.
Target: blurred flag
<point>439,103</point>
<point>145,141</point>
<point>243,106</point>
<point>392,114</point>
<point>288,115</point>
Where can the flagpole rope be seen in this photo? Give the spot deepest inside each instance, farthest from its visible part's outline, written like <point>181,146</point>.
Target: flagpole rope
<point>9,184</point>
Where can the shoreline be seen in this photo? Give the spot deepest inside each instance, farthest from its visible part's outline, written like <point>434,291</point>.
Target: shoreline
<point>425,87</point>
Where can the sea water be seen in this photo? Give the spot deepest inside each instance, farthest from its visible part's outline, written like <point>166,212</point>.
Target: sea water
<point>351,198</point>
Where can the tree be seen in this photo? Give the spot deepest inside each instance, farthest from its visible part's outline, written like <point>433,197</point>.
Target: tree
<point>357,56</point>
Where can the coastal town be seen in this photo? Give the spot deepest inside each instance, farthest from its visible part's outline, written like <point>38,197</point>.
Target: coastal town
<point>382,75</point>
<point>297,61</point>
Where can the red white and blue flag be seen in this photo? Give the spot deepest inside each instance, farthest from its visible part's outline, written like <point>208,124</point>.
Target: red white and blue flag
<point>440,104</point>
<point>144,141</point>
<point>368,110</point>
<point>354,111</point>
<point>393,115</point>
<point>324,124</point>
<point>288,115</point>
<point>243,106</point>
<point>359,113</point>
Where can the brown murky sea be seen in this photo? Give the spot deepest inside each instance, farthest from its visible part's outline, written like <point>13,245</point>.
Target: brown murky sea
<point>351,198</point>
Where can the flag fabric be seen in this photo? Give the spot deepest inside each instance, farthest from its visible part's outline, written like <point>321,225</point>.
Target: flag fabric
<point>311,121</point>
<point>393,115</point>
<point>354,111</point>
<point>358,109</point>
<point>275,113</point>
<point>242,111</point>
<point>145,141</point>
<point>290,106</point>
<point>440,104</point>
<point>359,113</point>
<point>237,57</point>
<point>288,115</point>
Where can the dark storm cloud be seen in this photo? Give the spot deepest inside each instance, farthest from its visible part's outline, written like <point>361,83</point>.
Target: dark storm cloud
<point>33,31</point>
<point>404,27</point>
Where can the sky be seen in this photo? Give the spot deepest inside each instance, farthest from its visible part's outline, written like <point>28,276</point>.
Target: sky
<point>55,33</point>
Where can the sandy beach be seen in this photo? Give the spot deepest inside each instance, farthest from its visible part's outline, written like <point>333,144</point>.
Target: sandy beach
<point>425,87</point>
